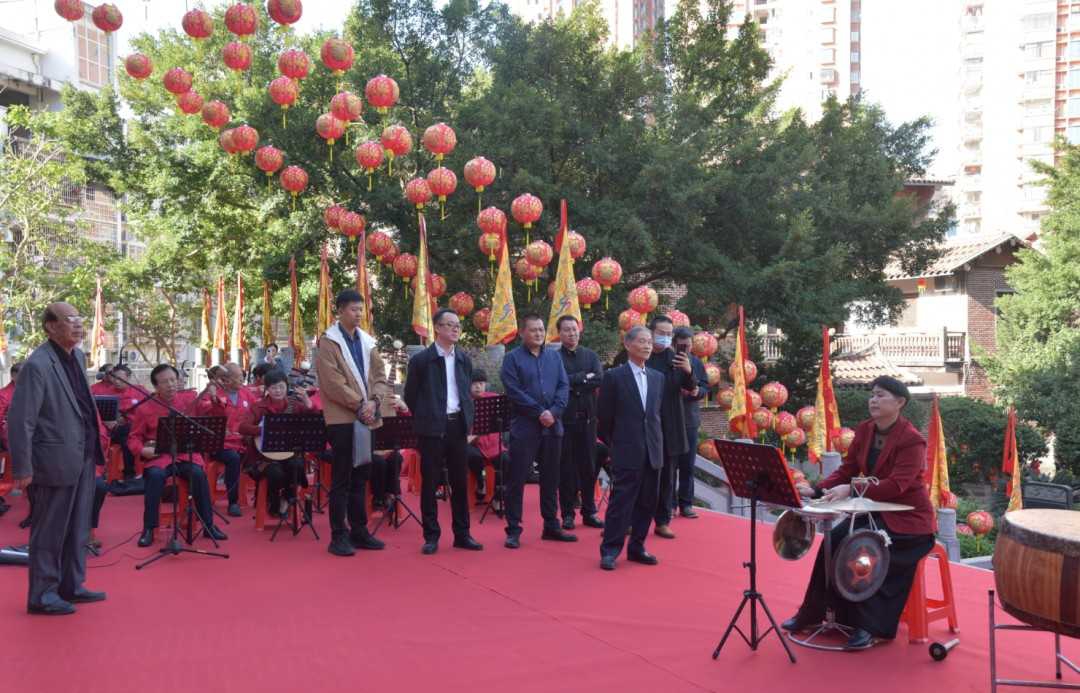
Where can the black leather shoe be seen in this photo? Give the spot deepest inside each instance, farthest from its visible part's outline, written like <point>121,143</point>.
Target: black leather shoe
<point>55,607</point>
<point>146,538</point>
<point>85,597</point>
<point>568,522</point>
<point>429,548</point>
<point>366,541</point>
<point>643,557</point>
<point>796,624</point>
<point>859,640</point>
<point>557,535</point>
<point>216,533</point>
<point>607,562</point>
<point>592,521</point>
<point>688,511</point>
<point>467,542</point>
<point>512,543</point>
<point>340,546</point>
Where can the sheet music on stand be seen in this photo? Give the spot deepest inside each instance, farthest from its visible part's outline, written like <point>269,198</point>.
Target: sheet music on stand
<point>492,415</point>
<point>758,469</point>
<point>204,434</point>
<point>293,433</point>
<point>108,407</point>
<point>396,433</point>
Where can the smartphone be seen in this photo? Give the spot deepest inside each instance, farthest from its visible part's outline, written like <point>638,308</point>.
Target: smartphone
<point>681,348</point>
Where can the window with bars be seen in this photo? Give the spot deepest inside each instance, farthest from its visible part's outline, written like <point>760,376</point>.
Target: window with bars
<point>92,47</point>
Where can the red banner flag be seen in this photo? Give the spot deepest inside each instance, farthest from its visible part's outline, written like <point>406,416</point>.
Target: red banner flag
<point>741,415</point>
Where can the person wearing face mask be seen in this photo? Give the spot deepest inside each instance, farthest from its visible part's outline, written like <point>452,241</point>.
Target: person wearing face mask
<point>678,377</point>
<point>280,476</point>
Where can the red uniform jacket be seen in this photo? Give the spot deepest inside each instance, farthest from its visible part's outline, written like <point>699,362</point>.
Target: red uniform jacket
<point>234,414</point>
<point>6,393</point>
<point>144,424</point>
<point>250,424</point>
<point>900,470</point>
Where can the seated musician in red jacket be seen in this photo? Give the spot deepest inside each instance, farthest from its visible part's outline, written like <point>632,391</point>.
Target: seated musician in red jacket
<point>281,475</point>
<point>889,448</point>
<point>158,463</point>
<point>110,385</point>
<point>232,400</point>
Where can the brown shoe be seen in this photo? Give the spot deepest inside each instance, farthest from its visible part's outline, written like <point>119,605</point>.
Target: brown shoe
<point>664,531</point>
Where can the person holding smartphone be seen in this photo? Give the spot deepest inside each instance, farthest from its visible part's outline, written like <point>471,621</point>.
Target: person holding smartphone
<point>678,376</point>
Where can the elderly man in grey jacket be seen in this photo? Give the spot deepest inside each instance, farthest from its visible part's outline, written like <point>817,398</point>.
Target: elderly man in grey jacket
<point>53,436</point>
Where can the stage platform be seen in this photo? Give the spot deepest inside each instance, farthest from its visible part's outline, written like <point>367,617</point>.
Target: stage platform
<point>288,616</point>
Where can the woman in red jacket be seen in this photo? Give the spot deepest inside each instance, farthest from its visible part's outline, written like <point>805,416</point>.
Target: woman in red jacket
<point>890,448</point>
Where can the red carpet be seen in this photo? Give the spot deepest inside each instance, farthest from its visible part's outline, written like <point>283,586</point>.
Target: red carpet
<point>288,616</point>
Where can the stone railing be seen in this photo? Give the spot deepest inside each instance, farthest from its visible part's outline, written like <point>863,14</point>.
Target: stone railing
<point>901,348</point>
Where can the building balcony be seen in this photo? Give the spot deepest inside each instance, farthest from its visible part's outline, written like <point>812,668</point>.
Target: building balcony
<point>829,76</point>
<point>899,348</point>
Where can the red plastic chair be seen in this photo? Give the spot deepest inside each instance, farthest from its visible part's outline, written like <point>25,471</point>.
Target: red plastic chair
<point>921,610</point>
<point>165,511</point>
<point>489,484</point>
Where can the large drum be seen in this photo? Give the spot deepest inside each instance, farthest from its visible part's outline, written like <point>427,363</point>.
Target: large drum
<point>1037,568</point>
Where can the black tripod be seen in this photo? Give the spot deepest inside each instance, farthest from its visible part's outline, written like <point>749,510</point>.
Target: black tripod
<point>757,472</point>
<point>197,437</point>
<point>396,433</point>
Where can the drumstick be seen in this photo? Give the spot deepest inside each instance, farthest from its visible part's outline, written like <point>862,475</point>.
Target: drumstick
<point>939,651</point>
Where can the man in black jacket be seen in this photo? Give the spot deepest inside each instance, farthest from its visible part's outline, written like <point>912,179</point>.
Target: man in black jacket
<point>578,474</point>
<point>437,393</point>
<point>678,376</point>
<point>684,494</point>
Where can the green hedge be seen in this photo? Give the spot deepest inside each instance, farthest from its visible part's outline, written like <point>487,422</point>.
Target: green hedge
<point>853,409</point>
<point>975,437</point>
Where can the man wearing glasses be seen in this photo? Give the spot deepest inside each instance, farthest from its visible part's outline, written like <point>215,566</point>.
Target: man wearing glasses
<point>437,392</point>
<point>53,433</point>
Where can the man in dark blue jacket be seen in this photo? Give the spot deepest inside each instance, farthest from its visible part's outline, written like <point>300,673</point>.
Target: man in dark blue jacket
<point>692,409</point>
<point>437,393</point>
<point>538,388</point>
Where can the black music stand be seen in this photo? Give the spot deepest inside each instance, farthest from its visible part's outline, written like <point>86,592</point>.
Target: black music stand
<point>191,434</point>
<point>296,433</point>
<point>396,433</point>
<point>760,473</point>
<point>108,407</point>
<point>493,416</point>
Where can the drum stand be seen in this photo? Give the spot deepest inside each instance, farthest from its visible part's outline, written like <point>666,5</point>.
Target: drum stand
<point>1022,683</point>
<point>830,625</point>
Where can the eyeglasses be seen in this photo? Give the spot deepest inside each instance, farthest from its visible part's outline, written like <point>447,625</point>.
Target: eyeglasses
<point>451,325</point>
<point>73,319</point>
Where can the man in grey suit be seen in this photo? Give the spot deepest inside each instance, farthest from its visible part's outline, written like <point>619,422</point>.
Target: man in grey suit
<point>53,435</point>
<point>628,415</point>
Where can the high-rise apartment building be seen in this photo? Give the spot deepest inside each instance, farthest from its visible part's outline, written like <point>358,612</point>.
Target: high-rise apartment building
<point>621,15</point>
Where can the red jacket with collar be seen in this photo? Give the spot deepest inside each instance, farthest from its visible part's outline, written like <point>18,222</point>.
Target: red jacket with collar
<point>900,470</point>
<point>234,415</point>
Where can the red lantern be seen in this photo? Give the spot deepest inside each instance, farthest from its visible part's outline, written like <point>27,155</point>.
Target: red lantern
<point>332,216</point>
<point>588,292</point>
<point>346,106</point>
<point>762,418</point>
<point>216,114</point>
<point>462,304</point>
<point>842,440</point>
<point>397,141</point>
<point>749,371</point>
<point>704,345</point>
<point>607,272</point>
<point>630,318</point>
<point>527,209</point>
<point>805,417</point>
<point>337,55</point>
<point>418,192</point>
<point>236,55</point>
<point>295,180</point>
<point>981,522</point>
<point>241,19</point>
<point>390,255</point>
<point>71,10</point>
<point>643,299</point>
<point>246,138</point>
<point>774,395</point>
<point>138,66</point>
<point>490,244</point>
<point>294,64</point>
<point>795,439</point>
<point>527,271</point>
<point>330,129</point>
<point>713,374</point>
<point>177,80</point>
<point>964,530</point>
<point>378,243</point>
<point>382,93</point>
<point>678,318</point>
<point>198,24</point>
<point>784,423</point>
<point>107,18</point>
<point>285,11</point>
<point>725,397</point>
<point>438,285</point>
<point>755,400</point>
<point>269,160</point>
<point>284,91</point>
<point>443,182</point>
<point>225,139</point>
<point>189,102</point>
<point>479,173</point>
<point>369,156</point>
<point>539,254</point>
<point>481,320</point>
<point>440,140</point>
<point>707,449</point>
<point>405,266</point>
<point>492,220</point>
<point>352,224</point>
<point>577,244</point>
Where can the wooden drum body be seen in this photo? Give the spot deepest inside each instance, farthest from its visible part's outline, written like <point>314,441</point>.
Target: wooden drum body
<point>1037,568</point>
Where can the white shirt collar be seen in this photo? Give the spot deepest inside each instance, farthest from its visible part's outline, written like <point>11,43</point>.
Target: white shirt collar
<point>443,353</point>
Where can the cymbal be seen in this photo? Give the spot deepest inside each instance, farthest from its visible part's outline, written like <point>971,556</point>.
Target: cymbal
<point>858,505</point>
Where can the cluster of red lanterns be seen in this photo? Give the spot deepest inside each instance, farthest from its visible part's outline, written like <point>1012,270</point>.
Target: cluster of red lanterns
<point>106,17</point>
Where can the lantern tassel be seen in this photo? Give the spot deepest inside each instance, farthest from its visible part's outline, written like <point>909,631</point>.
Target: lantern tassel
<point>442,210</point>
<point>283,121</point>
<point>390,164</point>
<point>369,180</point>
<point>479,199</point>
<point>330,144</point>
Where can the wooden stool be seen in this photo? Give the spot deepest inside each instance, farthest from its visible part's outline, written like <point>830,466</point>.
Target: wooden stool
<point>920,610</point>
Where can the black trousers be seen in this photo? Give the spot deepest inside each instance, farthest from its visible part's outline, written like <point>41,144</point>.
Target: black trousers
<point>282,478</point>
<point>154,484</point>
<point>448,452</point>
<point>578,472</point>
<point>478,463</point>
<point>685,493</point>
<point>347,484</point>
<point>547,450</point>
<point>59,532</point>
<point>386,474</point>
<point>632,505</point>
<point>101,489</point>
<point>880,614</point>
<point>665,497</point>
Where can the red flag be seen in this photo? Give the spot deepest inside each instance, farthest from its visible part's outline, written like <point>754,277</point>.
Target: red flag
<point>826,413</point>
<point>296,327</point>
<point>1010,464</point>
<point>741,416</point>
<point>936,462</point>
<point>363,285</point>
